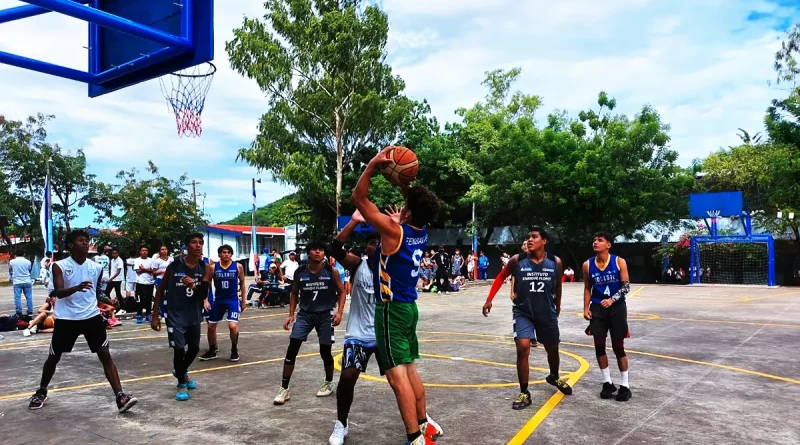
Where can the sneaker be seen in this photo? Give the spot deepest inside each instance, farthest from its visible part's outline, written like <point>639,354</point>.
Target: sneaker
<point>421,440</point>
<point>282,397</point>
<point>327,389</point>
<point>121,312</point>
<point>139,319</point>
<point>624,394</point>
<point>116,323</point>
<point>190,383</point>
<point>339,433</point>
<point>125,402</point>
<point>38,399</point>
<point>234,355</point>
<point>431,430</point>
<point>211,354</point>
<point>182,395</point>
<point>608,390</point>
<point>34,329</point>
<point>26,333</point>
<point>561,384</point>
<point>523,401</point>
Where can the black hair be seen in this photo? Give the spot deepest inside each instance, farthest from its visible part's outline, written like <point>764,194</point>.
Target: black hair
<point>605,235</point>
<point>316,245</point>
<point>143,247</point>
<point>192,236</point>
<point>74,235</point>
<point>373,236</point>
<point>114,249</point>
<point>48,253</point>
<point>423,205</point>
<point>20,252</point>
<point>225,247</point>
<point>540,231</point>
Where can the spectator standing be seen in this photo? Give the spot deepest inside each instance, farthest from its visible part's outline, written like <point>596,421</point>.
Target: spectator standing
<point>145,283</point>
<point>289,267</point>
<point>458,262</point>
<point>471,266</point>
<point>442,261</point>
<point>116,274</point>
<point>20,268</point>
<point>483,266</point>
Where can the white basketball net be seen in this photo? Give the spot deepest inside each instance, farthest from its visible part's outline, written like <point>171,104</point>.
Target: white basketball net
<point>186,92</point>
<point>713,213</point>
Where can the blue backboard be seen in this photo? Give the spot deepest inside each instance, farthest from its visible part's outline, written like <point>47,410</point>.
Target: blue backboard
<point>361,228</point>
<point>727,203</point>
<point>129,41</point>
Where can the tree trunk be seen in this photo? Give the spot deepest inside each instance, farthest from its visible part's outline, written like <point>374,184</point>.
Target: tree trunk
<point>339,168</point>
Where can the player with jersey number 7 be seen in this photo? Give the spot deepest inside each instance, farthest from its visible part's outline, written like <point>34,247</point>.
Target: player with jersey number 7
<point>396,264</point>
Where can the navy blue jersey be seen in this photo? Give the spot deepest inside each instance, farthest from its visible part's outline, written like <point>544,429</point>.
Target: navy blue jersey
<point>535,287</point>
<point>396,273</point>
<point>318,292</point>
<point>607,281</point>
<point>184,306</point>
<point>226,282</point>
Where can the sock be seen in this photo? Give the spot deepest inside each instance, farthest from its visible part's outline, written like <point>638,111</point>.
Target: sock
<point>523,387</point>
<point>624,380</point>
<point>413,436</point>
<point>423,421</point>
<point>285,382</point>
<point>606,375</point>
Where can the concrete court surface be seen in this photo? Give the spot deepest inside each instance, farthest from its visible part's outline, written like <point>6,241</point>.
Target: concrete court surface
<point>709,365</point>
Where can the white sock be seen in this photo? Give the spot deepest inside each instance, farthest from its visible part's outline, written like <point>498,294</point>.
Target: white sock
<point>606,375</point>
<point>624,381</point>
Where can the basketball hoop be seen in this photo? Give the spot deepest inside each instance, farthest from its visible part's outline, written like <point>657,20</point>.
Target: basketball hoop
<point>186,94</point>
<point>713,214</point>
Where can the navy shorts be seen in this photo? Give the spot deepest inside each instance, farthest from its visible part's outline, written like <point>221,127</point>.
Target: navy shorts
<point>543,329</point>
<point>356,355</point>
<point>220,307</point>
<point>181,336</point>
<point>305,322</point>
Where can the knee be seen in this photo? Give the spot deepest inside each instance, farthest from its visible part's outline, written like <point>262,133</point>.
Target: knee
<point>326,354</point>
<point>233,327</point>
<point>212,327</point>
<point>291,351</point>
<point>523,349</point>
<point>600,346</point>
<point>193,348</point>
<point>53,359</point>
<point>104,355</point>
<point>619,347</point>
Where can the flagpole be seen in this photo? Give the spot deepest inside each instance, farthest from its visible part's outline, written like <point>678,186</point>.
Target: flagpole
<point>49,220</point>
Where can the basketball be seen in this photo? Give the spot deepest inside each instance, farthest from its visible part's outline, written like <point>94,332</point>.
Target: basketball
<point>403,167</point>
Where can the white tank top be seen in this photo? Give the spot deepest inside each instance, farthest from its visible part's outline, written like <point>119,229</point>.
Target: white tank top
<point>80,305</point>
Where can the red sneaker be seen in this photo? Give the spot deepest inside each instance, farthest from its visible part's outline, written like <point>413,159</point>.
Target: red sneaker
<point>431,430</point>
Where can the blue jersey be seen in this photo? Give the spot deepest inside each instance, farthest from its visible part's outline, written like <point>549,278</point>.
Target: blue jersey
<point>605,282</point>
<point>396,273</point>
<point>226,282</point>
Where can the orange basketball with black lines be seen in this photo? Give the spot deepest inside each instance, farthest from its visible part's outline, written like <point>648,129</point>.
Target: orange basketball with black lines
<point>403,168</point>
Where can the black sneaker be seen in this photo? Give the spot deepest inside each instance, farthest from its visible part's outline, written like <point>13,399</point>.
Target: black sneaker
<point>561,384</point>
<point>522,401</point>
<point>234,355</point>
<point>608,390</point>
<point>624,394</point>
<point>211,354</point>
<point>125,402</point>
<point>38,399</point>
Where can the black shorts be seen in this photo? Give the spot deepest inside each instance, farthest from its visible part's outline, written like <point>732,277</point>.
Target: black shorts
<point>612,319</point>
<point>65,332</point>
<point>181,336</point>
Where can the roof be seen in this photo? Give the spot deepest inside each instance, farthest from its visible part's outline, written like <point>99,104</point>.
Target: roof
<point>245,230</point>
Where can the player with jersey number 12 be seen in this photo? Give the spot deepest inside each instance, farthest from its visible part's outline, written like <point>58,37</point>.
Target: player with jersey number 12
<point>396,263</point>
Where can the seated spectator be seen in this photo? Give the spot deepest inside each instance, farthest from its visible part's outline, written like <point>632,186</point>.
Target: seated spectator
<point>44,321</point>
<point>457,283</point>
<point>569,275</point>
<point>269,280</point>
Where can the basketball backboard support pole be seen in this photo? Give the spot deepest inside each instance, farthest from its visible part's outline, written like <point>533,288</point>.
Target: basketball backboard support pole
<point>130,41</point>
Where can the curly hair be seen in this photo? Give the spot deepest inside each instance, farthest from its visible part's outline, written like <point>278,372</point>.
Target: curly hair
<point>423,205</point>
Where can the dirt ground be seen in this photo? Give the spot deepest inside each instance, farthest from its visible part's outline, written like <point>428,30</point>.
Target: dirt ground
<point>708,365</point>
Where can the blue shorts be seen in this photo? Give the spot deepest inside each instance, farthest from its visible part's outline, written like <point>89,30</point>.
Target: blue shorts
<point>305,322</point>
<point>544,329</point>
<point>218,309</point>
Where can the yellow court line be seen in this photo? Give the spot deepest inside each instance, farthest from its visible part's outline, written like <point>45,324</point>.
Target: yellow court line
<point>749,323</point>
<point>633,294</point>
<point>525,432</point>
<point>785,294</point>
<point>151,377</point>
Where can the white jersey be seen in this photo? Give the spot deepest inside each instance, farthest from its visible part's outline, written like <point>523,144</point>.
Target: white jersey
<point>161,265</point>
<point>81,305</point>
<point>361,321</point>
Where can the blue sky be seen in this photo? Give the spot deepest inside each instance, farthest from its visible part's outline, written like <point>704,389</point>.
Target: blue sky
<point>703,64</point>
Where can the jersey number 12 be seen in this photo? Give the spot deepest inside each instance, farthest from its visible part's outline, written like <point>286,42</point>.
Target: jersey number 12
<point>537,286</point>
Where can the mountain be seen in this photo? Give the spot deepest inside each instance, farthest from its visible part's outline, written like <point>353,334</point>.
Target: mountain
<point>275,214</point>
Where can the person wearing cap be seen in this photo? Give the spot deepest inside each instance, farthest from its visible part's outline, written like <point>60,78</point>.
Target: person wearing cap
<point>289,267</point>
<point>268,278</point>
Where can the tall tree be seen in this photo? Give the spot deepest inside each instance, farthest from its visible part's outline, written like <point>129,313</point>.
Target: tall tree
<point>322,65</point>
<point>783,115</point>
<point>154,211</point>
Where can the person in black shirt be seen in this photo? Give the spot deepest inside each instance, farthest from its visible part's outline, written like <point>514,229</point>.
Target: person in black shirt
<point>442,260</point>
<point>186,284</point>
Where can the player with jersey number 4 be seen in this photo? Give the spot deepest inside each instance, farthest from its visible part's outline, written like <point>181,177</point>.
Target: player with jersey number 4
<point>606,284</point>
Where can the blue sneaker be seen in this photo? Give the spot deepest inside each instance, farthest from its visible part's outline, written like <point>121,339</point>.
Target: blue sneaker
<point>190,383</point>
<point>182,394</point>
<point>139,319</point>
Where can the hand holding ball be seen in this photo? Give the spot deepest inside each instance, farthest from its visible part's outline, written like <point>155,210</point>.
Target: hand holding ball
<point>400,166</point>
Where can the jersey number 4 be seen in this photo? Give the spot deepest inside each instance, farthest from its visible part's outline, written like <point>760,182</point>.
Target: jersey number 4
<point>537,286</point>
<point>607,291</point>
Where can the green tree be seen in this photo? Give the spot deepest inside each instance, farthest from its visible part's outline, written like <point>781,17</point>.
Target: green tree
<point>150,212</point>
<point>783,115</point>
<point>322,65</point>
<point>280,213</point>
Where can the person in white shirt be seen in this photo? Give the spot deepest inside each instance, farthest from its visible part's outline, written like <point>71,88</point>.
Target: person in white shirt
<point>130,278</point>
<point>21,279</point>
<point>116,270</point>
<point>569,275</point>
<point>289,267</point>
<point>44,268</point>
<point>160,263</point>
<point>75,281</point>
<point>103,260</point>
<point>145,284</point>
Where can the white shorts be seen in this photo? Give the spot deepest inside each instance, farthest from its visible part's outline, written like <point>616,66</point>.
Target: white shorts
<point>130,286</point>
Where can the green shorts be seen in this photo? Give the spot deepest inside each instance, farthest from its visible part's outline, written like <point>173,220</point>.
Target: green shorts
<point>396,333</point>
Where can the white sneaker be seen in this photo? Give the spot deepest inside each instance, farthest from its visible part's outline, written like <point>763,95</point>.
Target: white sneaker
<point>26,333</point>
<point>339,433</point>
<point>327,389</point>
<point>282,397</point>
<point>34,329</point>
<point>121,312</point>
<point>431,429</point>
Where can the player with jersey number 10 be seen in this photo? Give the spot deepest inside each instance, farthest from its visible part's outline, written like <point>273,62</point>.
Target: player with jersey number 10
<point>606,284</point>
<point>396,263</point>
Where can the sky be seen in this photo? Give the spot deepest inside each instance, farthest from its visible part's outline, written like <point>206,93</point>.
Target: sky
<point>704,65</point>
